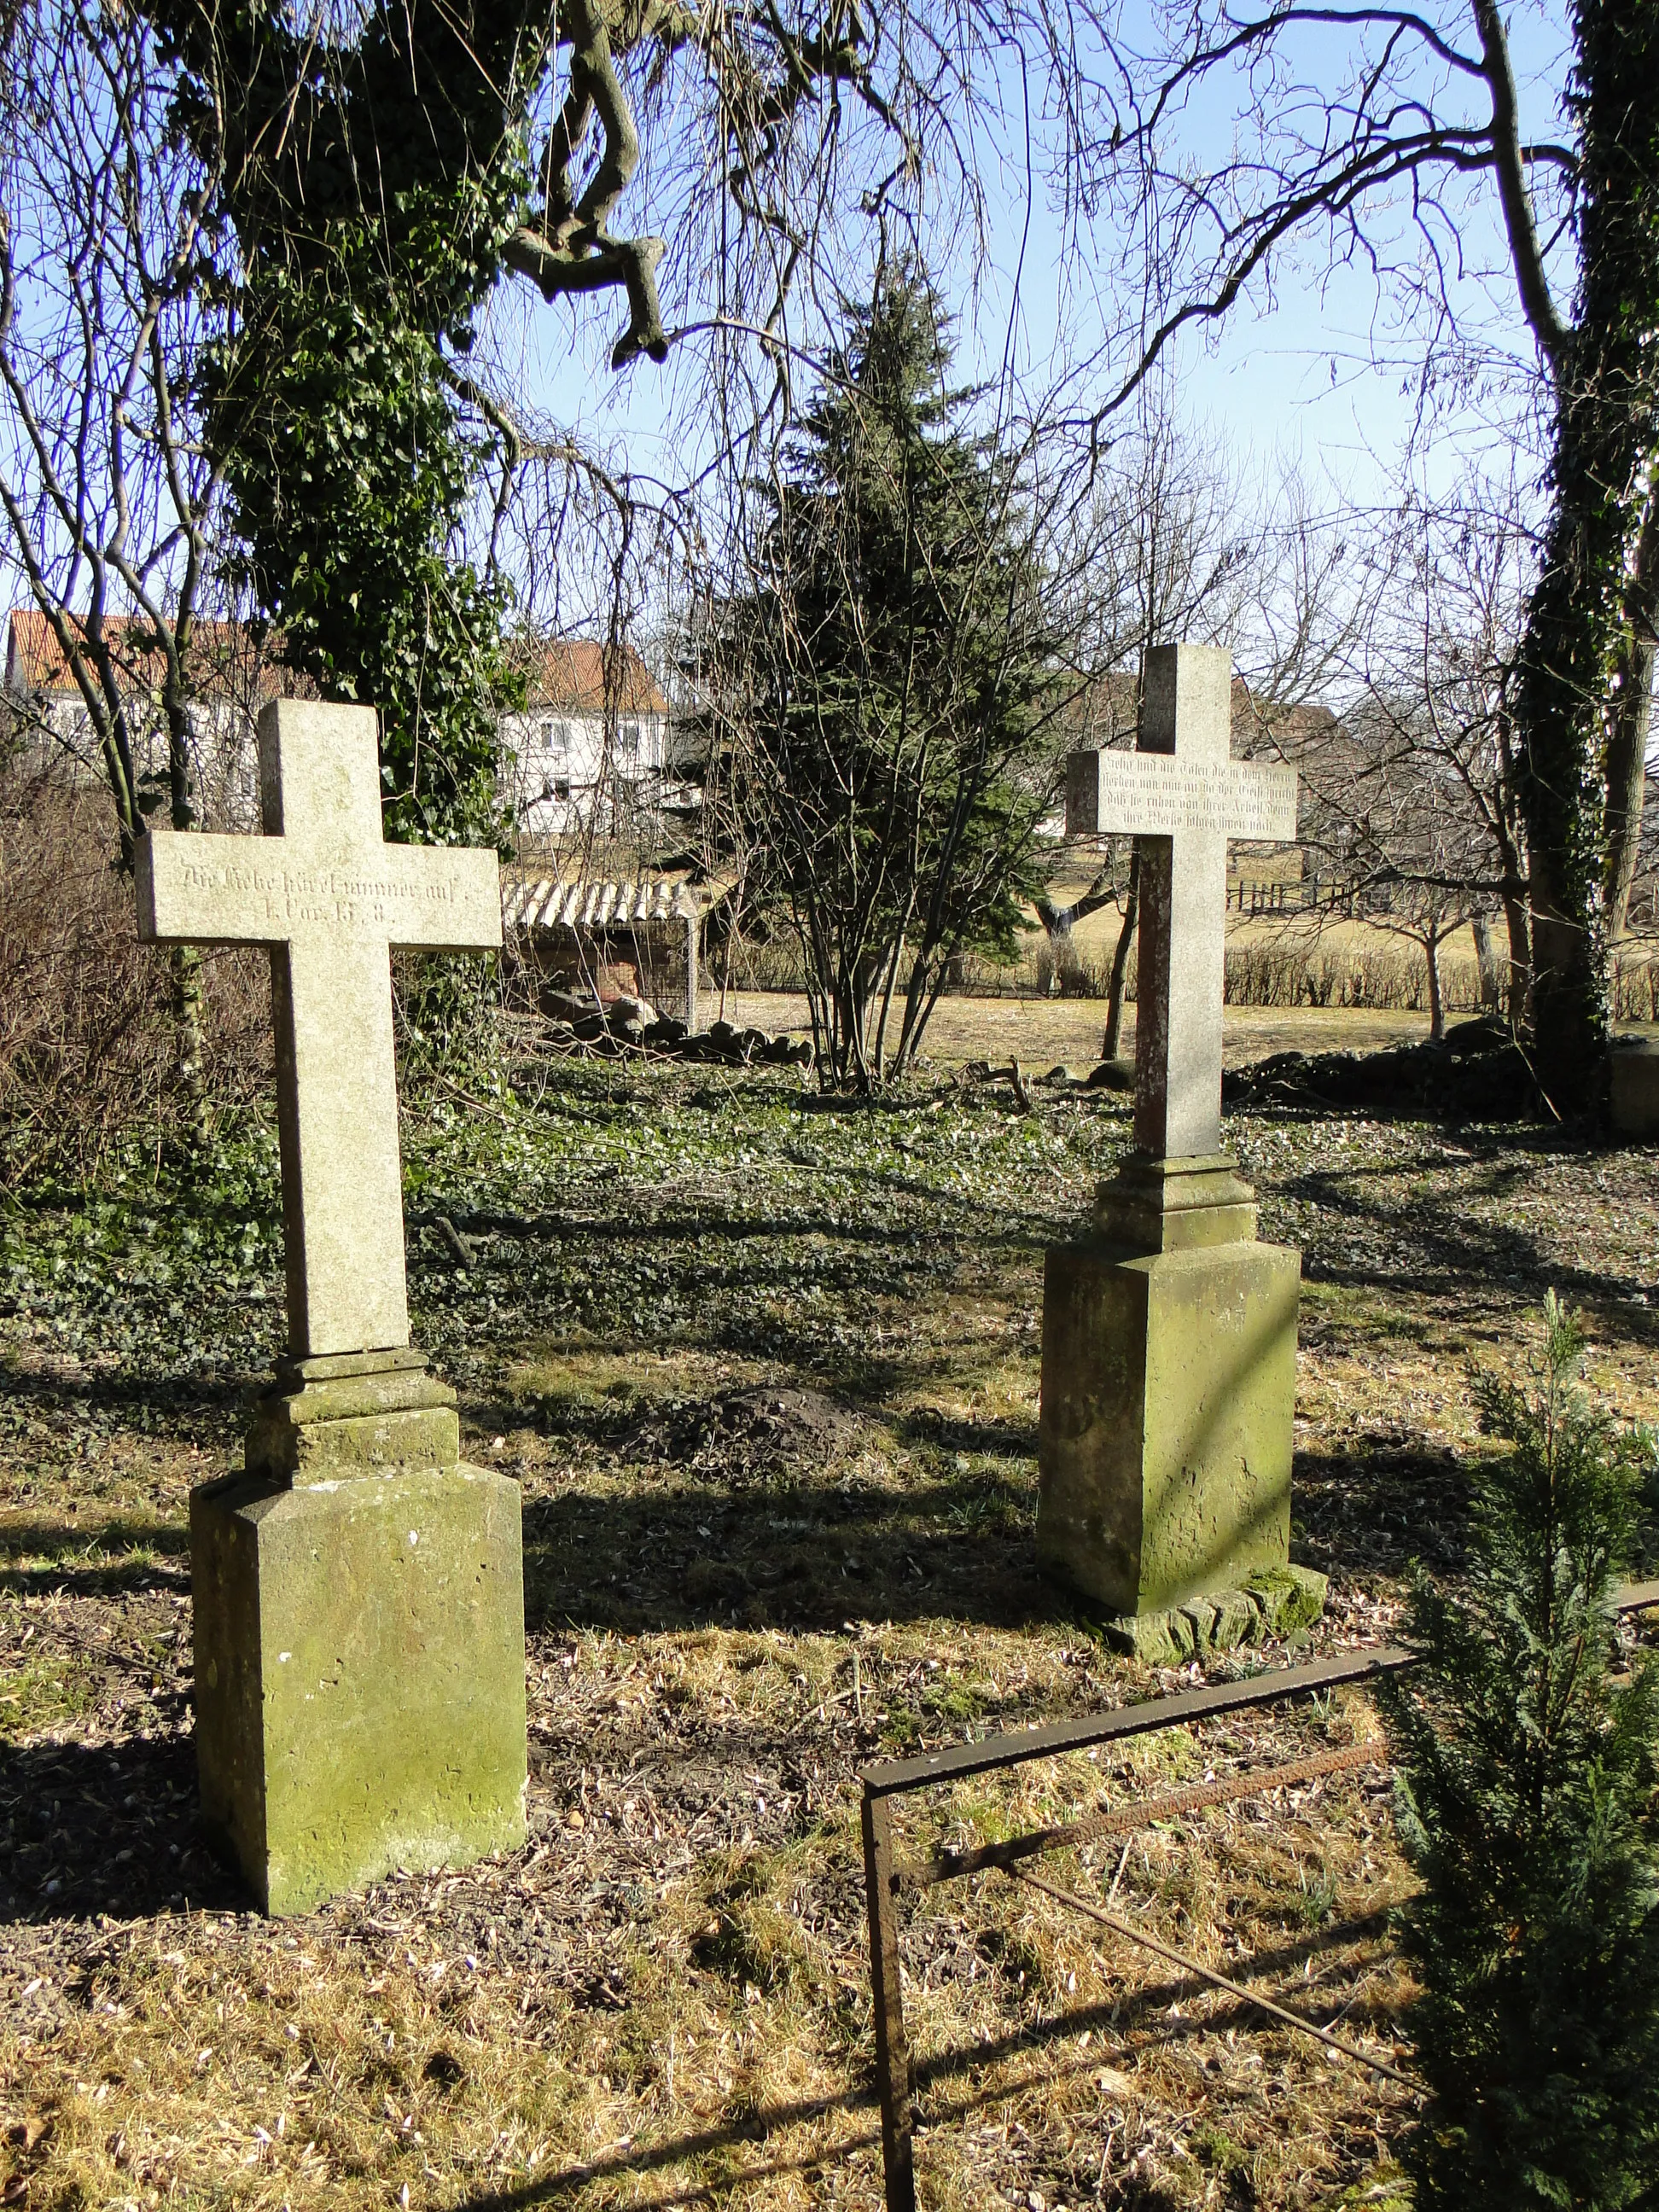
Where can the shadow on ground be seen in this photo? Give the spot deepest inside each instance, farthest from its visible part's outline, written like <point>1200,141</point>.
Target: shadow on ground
<point>802,1557</point>
<point>1376,1504</point>
<point>107,1559</point>
<point>1375,1243</point>
<point>112,1829</point>
<point>1149,2014</point>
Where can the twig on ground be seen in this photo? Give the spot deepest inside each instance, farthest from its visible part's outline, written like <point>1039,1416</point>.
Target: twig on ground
<point>1118,1926</point>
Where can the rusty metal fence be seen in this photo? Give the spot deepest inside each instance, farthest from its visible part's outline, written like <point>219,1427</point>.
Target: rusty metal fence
<point>886,1883</point>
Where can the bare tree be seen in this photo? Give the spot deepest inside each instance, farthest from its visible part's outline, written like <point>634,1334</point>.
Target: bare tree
<point>109,501</point>
<point>1414,800</point>
<point>1382,138</point>
<point>1413,860</point>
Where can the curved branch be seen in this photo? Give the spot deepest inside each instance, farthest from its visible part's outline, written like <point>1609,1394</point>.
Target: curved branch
<point>629,262</point>
<point>1335,195</point>
<point>1509,160</point>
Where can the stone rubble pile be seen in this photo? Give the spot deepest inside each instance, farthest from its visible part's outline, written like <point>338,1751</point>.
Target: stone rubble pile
<point>630,1023</point>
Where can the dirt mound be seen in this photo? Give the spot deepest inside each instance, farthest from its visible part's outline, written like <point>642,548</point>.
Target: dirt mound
<point>746,1434</point>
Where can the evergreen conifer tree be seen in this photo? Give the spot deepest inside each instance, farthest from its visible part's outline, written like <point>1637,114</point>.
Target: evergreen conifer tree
<point>1529,1809</point>
<point>894,685</point>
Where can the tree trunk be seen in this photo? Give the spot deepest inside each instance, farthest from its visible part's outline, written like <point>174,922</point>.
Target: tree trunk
<point>1632,707</point>
<point>1485,959</point>
<point>1062,951</point>
<point>1437,1001</point>
<point>188,1010</point>
<point>1517,921</point>
<point>1059,922</point>
<point>1520,937</point>
<point>1569,965</point>
<point>1604,442</point>
<point>1120,963</point>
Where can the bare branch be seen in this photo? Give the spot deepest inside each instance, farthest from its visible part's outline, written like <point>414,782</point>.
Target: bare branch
<point>1510,160</point>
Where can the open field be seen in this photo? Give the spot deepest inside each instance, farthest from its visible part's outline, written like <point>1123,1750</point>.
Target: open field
<point>1043,1033</point>
<point>767,1376</point>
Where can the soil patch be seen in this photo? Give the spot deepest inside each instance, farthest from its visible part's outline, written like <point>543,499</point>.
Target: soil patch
<point>747,1435</point>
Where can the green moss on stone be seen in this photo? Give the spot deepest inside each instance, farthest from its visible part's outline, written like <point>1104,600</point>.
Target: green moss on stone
<point>359,1675</point>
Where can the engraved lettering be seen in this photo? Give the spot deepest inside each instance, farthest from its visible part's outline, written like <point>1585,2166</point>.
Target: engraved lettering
<point>1159,795</point>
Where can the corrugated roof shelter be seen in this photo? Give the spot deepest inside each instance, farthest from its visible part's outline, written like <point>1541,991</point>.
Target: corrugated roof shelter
<point>575,935</point>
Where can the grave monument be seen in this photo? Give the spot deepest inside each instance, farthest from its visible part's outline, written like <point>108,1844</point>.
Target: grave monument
<point>1168,1332</point>
<point>358,1591</point>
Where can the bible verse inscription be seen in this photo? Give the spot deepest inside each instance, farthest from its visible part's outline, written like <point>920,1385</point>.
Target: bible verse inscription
<point>1161,795</point>
<point>334,895</point>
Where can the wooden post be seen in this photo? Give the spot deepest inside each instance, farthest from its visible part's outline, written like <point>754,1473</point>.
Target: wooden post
<point>892,2058</point>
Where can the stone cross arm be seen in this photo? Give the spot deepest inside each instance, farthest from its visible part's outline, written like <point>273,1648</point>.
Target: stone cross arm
<point>202,889</point>
<point>1164,794</point>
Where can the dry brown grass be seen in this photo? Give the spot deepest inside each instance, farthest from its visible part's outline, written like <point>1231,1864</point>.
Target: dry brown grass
<point>1044,1032</point>
<point>712,2044</point>
<point>663,1999</point>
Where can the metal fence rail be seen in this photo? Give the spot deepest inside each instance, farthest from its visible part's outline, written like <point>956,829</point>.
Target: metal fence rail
<point>886,1883</point>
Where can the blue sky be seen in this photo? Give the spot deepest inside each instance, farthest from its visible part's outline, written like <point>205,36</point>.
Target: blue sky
<point>1296,379</point>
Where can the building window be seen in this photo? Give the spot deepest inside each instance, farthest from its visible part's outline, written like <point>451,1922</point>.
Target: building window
<point>628,744</point>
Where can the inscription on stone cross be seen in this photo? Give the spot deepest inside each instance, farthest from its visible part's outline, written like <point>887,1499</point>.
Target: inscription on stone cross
<point>1183,795</point>
<point>330,898</point>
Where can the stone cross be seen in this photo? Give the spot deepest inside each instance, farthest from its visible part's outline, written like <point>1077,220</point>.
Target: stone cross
<point>330,898</point>
<point>1183,796</point>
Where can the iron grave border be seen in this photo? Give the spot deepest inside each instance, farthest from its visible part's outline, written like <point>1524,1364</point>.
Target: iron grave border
<point>885,1883</point>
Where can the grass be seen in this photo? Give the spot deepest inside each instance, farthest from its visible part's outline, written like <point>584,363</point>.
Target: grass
<point>663,2000</point>
<point>1041,1033</point>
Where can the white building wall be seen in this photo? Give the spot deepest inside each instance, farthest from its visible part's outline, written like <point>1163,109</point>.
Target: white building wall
<point>224,769</point>
<point>562,763</point>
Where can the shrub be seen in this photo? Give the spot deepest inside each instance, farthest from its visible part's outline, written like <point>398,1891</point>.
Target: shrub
<point>1527,1806</point>
<point>88,1053</point>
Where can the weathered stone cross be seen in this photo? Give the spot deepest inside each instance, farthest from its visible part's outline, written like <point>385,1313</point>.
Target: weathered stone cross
<point>1183,796</point>
<point>330,898</point>
<point>1169,1331</point>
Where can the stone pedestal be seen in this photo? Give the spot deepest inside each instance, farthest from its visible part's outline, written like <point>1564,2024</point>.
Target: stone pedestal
<point>359,1627</point>
<point>1635,1089</point>
<point>1168,1391</point>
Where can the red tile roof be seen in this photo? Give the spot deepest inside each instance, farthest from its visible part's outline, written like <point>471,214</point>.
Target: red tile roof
<point>582,677</point>
<point>578,675</point>
<point>1106,713</point>
<point>218,651</point>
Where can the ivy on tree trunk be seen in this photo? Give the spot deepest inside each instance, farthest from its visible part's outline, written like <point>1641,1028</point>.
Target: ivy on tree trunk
<point>1632,706</point>
<point>1578,621</point>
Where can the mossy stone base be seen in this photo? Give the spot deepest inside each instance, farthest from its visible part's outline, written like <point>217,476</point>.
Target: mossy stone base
<point>1635,1089</point>
<point>1284,1602</point>
<point>1168,1391</point>
<point>360,1687</point>
<point>353,1414</point>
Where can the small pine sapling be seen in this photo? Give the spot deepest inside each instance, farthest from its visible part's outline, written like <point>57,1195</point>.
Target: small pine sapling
<point>1528,1754</point>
